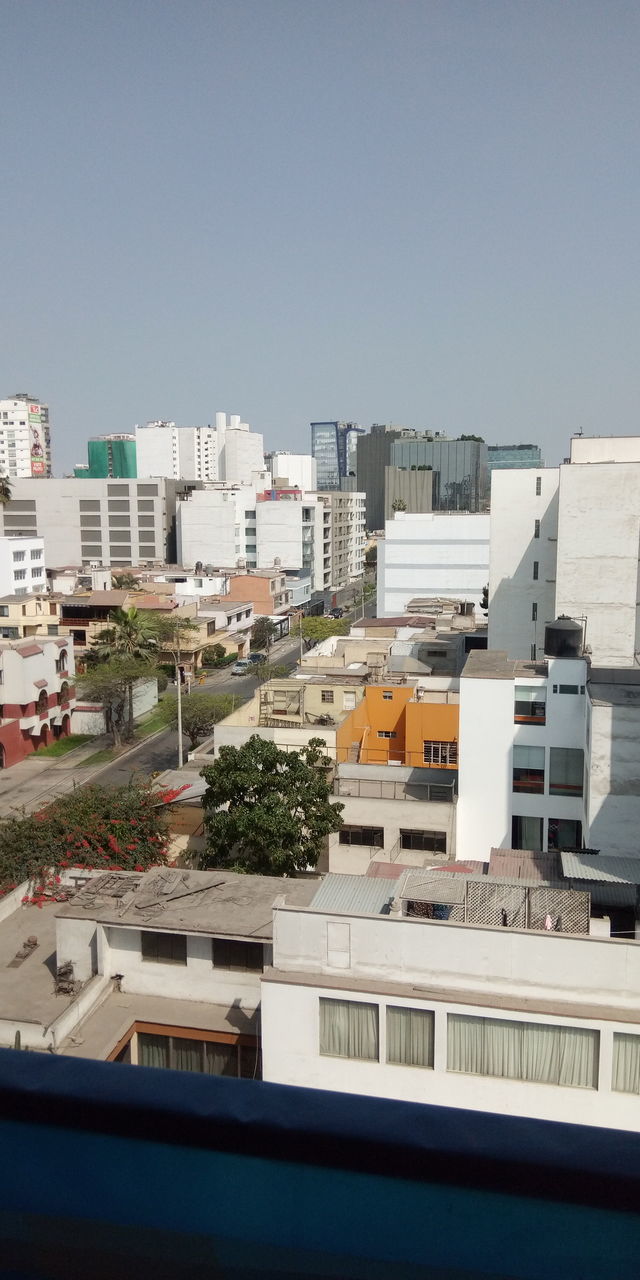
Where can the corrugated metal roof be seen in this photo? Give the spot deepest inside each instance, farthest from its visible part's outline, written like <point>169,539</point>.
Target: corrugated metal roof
<point>585,866</point>
<point>524,864</point>
<point>360,895</point>
<point>433,886</point>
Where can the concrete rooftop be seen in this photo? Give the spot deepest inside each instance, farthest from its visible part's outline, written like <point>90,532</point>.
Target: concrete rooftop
<point>27,992</point>
<point>211,902</point>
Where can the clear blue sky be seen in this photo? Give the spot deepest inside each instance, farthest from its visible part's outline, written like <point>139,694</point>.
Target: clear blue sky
<point>383,210</point>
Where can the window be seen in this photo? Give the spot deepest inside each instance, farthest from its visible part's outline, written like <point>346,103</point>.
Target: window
<point>147,490</point>
<point>52,629</point>
<point>535,571</point>
<point>568,688</point>
<point>36,555</point>
<point>371,836</point>
<point>18,556</point>
<point>424,841</point>
<point>19,574</point>
<point>211,628</point>
<point>118,505</point>
<point>116,555</point>
<point>145,504</point>
<point>164,948</point>
<point>146,522</point>
<point>523,1051</point>
<point>10,633</point>
<point>440,753</point>
<point>61,661</point>
<point>349,1029</point>
<point>90,522</point>
<point>213,1058</point>
<point>119,522</point>
<point>530,704</point>
<point>534,612</point>
<point>387,695</point>
<point>409,1037</point>
<point>533,652</point>
<point>120,535</point>
<point>387,733</point>
<point>87,504</point>
<point>118,490</point>
<point>229,954</point>
<point>36,572</point>
<point>536,529</point>
<point>528,770</point>
<point>566,771</point>
<point>564,833</point>
<point>526,833</point>
<point>626,1063</point>
<point>538,486</point>
<point>91,551</point>
<point>326,695</point>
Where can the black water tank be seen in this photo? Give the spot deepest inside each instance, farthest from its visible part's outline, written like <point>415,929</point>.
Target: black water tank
<point>563,638</point>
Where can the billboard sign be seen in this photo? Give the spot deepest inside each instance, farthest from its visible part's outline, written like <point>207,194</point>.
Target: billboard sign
<point>36,444</point>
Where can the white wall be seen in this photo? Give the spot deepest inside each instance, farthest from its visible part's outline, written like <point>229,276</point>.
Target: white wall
<point>614,775</point>
<point>242,453</point>
<point>69,539</point>
<point>179,453</point>
<point>513,591</point>
<point>432,554</point>
<point>598,546</point>
<point>605,449</point>
<point>300,469</point>
<point>197,980</point>
<point>279,534</point>
<point>88,717</point>
<point>210,526</point>
<point>393,816</point>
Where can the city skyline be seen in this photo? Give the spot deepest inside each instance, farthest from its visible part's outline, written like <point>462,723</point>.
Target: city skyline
<point>421,214</point>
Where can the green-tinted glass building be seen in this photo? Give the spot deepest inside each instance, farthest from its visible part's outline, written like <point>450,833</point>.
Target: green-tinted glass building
<point>109,456</point>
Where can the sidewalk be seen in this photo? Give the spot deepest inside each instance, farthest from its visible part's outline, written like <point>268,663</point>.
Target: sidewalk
<point>33,783</point>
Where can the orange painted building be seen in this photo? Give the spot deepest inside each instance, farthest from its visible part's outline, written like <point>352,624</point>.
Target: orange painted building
<point>392,725</point>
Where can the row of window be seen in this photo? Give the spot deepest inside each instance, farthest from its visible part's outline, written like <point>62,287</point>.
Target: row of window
<point>373,838</point>
<point>530,702</point>
<point>171,948</point>
<point>562,833</point>
<point>566,771</point>
<point>528,1051</point>
<point>207,1056</point>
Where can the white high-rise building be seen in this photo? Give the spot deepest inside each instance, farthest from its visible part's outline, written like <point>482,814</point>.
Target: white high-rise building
<point>25,445</point>
<point>566,540</point>
<point>22,566</point>
<point>227,451</point>
<point>439,554</point>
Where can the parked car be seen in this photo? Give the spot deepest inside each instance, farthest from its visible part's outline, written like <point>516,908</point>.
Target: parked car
<point>241,667</point>
<point>257,658</point>
<point>337,613</point>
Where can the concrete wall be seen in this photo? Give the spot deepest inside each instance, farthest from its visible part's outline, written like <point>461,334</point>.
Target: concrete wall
<point>73,517</point>
<point>598,567</point>
<point>514,548</point>
<point>614,778</point>
<point>210,526</point>
<point>393,816</point>
<point>440,554</point>
<point>605,448</point>
<point>197,980</point>
<point>279,534</point>
<point>22,566</point>
<point>89,717</point>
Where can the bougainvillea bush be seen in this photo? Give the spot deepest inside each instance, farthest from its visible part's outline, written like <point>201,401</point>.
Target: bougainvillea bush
<point>99,828</point>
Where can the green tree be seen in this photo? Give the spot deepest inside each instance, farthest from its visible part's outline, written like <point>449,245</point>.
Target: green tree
<point>267,811</point>
<point>213,655</point>
<point>200,712</point>
<point>398,504</point>
<point>371,555</point>
<point>5,490</point>
<point>130,635</point>
<point>269,671</point>
<point>125,582</point>
<point>109,828</point>
<point>111,682</point>
<point>315,630</point>
<point>173,635</point>
<point>263,632</point>
<point>484,601</point>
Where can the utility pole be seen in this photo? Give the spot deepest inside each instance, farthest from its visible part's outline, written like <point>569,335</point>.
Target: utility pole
<point>179,684</point>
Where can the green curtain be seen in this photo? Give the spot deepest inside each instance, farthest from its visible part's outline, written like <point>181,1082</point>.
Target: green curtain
<point>626,1064</point>
<point>187,1054</point>
<point>409,1036</point>
<point>222,1059</point>
<point>349,1029</point>
<point>528,1051</point>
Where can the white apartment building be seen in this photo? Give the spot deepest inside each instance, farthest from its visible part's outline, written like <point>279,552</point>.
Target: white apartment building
<point>109,522</point>
<point>372,991</point>
<point>179,453</point>
<point>211,525</point>
<point>348,535</point>
<point>292,470</point>
<point>25,445</point>
<point>22,566</point>
<point>566,540</point>
<point>431,554</point>
<point>227,451</point>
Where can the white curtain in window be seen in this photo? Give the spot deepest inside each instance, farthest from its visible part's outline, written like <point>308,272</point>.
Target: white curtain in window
<point>153,1051</point>
<point>349,1029</point>
<point>222,1059</point>
<point>523,1051</point>
<point>530,830</point>
<point>187,1054</point>
<point>626,1064</point>
<point>566,770</point>
<point>409,1036</point>
<point>530,693</point>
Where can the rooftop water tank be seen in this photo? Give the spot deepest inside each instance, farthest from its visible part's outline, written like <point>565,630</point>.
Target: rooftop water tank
<point>563,638</point>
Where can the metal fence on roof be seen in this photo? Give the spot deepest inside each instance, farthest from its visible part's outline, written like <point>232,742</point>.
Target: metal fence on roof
<point>487,901</point>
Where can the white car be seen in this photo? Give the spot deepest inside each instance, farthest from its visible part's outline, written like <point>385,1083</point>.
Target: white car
<point>241,667</point>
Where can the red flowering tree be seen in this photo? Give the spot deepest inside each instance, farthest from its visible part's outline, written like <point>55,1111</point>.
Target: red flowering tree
<point>100,828</point>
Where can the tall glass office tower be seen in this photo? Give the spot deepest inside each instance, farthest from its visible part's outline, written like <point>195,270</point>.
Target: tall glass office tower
<point>333,445</point>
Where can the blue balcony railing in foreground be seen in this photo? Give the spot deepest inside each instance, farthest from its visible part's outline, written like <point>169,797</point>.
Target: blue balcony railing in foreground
<point>116,1171</point>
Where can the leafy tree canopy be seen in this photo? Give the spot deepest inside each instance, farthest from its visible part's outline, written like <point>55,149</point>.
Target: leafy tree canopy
<point>315,630</point>
<point>371,554</point>
<point>267,811</point>
<point>110,828</point>
<point>200,712</point>
<point>111,683</point>
<point>263,632</point>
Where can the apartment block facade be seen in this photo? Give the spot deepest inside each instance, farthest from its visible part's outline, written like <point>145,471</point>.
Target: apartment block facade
<point>25,441</point>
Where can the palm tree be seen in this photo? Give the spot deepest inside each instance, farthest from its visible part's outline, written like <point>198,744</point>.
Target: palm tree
<point>5,491</point>
<point>130,635</point>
